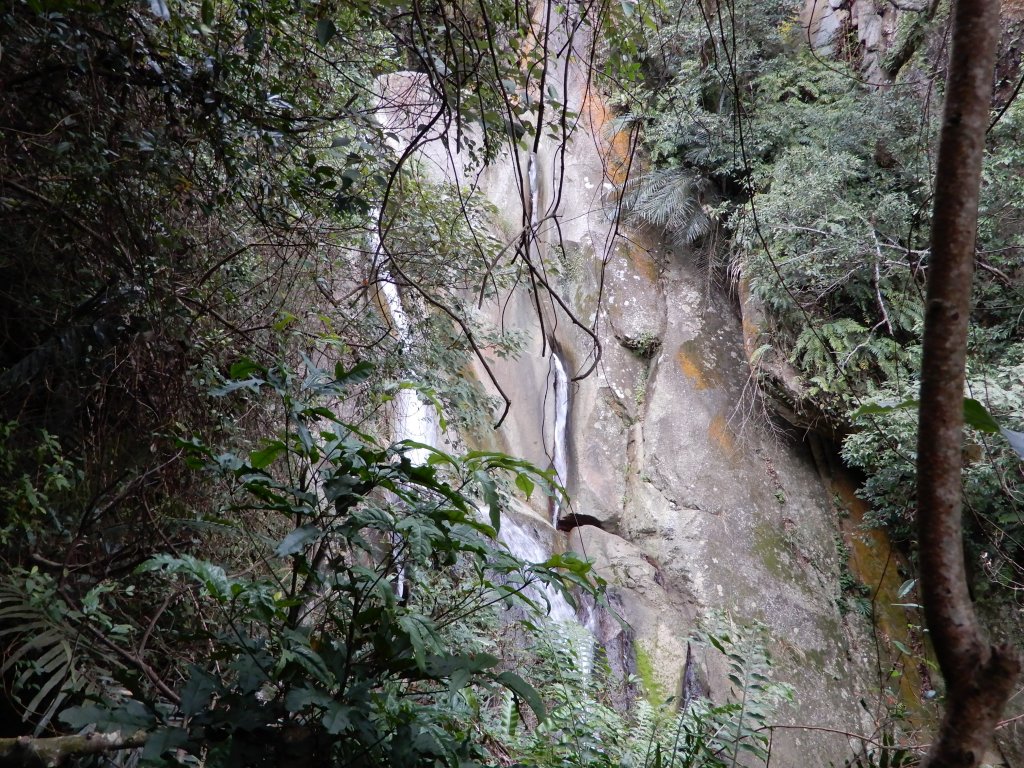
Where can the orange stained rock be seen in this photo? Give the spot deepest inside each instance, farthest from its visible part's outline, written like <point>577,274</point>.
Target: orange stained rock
<point>616,150</point>
<point>720,434</point>
<point>690,367</point>
<point>874,563</point>
<point>643,263</point>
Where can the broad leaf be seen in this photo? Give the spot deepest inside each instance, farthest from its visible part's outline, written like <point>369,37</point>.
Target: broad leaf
<point>264,457</point>
<point>197,692</point>
<point>297,540</point>
<point>490,492</point>
<point>163,740</point>
<point>524,691</point>
<point>357,374</point>
<point>325,30</point>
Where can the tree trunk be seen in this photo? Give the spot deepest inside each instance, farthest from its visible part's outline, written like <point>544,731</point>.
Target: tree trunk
<point>979,677</point>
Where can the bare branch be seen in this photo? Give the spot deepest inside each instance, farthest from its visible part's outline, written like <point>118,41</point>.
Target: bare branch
<point>54,750</point>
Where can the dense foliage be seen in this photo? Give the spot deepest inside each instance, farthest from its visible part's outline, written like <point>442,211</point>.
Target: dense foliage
<point>811,188</point>
<point>210,543</point>
<point>208,534</point>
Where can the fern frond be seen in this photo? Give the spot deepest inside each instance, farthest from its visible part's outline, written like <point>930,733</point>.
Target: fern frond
<point>45,654</point>
<point>670,198</point>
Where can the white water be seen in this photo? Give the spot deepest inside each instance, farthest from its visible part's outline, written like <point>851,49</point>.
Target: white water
<point>559,449</point>
<point>526,545</point>
<point>414,419</point>
<point>531,173</point>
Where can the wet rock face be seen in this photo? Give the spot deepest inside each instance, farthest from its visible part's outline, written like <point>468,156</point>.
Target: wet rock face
<point>691,502</point>
<point>700,505</point>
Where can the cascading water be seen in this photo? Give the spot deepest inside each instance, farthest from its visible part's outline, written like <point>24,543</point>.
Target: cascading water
<point>531,174</point>
<point>526,545</point>
<point>414,419</point>
<point>578,637</point>
<point>559,451</point>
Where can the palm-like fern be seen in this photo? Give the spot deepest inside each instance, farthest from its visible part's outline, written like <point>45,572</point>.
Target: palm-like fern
<point>45,658</point>
<point>672,198</point>
<point>838,353</point>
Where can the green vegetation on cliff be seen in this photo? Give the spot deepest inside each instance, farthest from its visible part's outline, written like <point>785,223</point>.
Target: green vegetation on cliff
<point>812,188</point>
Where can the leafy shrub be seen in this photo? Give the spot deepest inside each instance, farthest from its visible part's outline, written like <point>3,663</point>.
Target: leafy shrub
<point>357,618</point>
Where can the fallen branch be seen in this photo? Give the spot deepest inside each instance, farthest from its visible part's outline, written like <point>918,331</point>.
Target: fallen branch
<point>51,751</point>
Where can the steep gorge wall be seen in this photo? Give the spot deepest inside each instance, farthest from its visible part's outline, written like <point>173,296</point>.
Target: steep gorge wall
<point>685,500</point>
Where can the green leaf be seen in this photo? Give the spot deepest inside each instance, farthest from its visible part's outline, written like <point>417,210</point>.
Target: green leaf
<point>266,456</point>
<point>298,699</point>
<point>336,719</point>
<point>905,588</point>
<point>297,540</point>
<point>233,386</point>
<point>490,492</point>
<point>163,740</point>
<point>245,368</point>
<point>524,691</point>
<point>209,575</point>
<point>357,374</point>
<point>977,416</point>
<point>131,715</point>
<point>715,641</point>
<point>420,632</point>
<point>902,648</point>
<point>459,679</point>
<point>325,30</point>
<point>525,484</point>
<point>509,716</point>
<point>883,407</point>
<point>311,661</point>
<point>197,691</point>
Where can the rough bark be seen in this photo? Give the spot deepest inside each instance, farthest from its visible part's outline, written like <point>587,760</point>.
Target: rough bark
<point>53,751</point>
<point>979,677</point>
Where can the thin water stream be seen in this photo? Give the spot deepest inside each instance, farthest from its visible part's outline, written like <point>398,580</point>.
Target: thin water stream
<point>560,438</point>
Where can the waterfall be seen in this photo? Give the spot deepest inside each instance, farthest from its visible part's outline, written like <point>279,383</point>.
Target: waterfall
<point>580,637</point>
<point>414,419</point>
<point>559,448</point>
<point>526,545</point>
<point>531,174</point>
<point>560,380</point>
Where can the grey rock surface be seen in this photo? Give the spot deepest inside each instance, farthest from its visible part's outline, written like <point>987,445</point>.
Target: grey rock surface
<point>683,495</point>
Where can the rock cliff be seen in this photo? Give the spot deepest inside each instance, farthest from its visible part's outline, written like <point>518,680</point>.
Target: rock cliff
<point>684,494</point>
